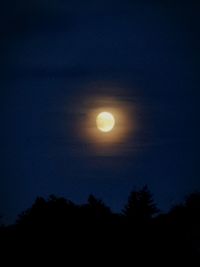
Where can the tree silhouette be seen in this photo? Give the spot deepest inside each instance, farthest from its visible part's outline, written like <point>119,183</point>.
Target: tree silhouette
<point>183,220</point>
<point>96,209</point>
<point>188,211</point>
<point>55,220</point>
<point>192,202</point>
<point>33,215</point>
<point>54,212</point>
<point>140,206</point>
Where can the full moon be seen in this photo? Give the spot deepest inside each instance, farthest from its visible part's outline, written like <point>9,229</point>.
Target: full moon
<point>105,121</point>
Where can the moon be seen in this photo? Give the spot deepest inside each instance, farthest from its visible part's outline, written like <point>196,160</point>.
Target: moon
<point>105,121</point>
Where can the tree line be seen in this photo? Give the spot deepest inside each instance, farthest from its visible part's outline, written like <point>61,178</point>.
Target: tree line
<point>140,229</point>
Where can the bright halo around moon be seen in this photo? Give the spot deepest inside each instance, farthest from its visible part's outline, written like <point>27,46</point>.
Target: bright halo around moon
<point>105,121</point>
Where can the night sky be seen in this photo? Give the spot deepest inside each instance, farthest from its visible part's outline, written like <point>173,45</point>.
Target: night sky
<point>63,60</point>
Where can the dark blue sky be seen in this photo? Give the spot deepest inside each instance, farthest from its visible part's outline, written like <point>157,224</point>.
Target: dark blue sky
<point>57,58</point>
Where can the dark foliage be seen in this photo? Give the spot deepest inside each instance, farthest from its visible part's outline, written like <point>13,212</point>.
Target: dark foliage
<point>93,232</point>
<point>140,206</point>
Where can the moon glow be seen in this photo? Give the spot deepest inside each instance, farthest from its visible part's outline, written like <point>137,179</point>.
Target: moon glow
<point>105,121</point>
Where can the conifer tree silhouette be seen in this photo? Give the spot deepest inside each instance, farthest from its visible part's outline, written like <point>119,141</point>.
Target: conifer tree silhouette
<point>140,206</point>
